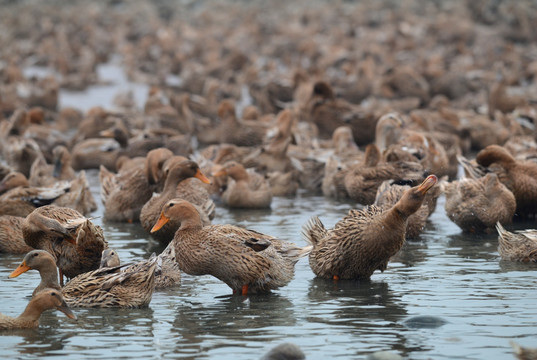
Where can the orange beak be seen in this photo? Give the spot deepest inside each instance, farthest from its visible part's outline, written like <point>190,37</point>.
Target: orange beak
<point>20,270</point>
<point>220,172</point>
<point>427,184</point>
<point>162,220</point>
<point>202,177</point>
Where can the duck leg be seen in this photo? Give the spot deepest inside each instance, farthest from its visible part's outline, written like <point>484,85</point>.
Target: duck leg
<point>244,290</point>
<point>61,277</point>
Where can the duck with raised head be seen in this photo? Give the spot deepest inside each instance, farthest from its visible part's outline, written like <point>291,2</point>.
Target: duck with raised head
<point>152,209</point>
<point>105,287</point>
<point>244,190</point>
<point>364,240</point>
<point>47,299</point>
<point>124,194</point>
<point>44,174</point>
<point>476,205</point>
<point>517,176</point>
<point>247,261</point>
<point>517,246</point>
<point>74,241</point>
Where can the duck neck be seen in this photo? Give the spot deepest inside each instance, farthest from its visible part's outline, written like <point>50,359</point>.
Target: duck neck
<point>32,312</point>
<point>49,276</point>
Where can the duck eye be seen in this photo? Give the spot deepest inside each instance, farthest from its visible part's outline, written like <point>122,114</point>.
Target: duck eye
<point>35,254</point>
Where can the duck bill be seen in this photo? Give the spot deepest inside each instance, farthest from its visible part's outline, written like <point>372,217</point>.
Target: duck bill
<point>107,133</point>
<point>202,177</point>
<point>162,220</point>
<point>221,172</point>
<point>20,270</point>
<point>65,309</point>
<point>427,184</point>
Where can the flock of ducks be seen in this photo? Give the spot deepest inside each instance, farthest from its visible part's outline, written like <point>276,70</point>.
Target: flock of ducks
<point>254,117</point>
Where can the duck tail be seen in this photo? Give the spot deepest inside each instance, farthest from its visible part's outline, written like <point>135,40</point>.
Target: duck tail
<point>501,230</point>
<point>313,231</point>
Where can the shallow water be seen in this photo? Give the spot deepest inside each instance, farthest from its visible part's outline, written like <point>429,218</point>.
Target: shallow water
<point>468,303</point>
<point>446,295</point>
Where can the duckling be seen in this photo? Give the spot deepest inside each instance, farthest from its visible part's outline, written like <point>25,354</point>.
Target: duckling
<point>73,239</point>
<point>247,261</point>
<point>243,189</point>
<point>46,300</point>
<point>517,246</point>
<point>476,205</point>
<point>104,287</point>
<point>364,240</point>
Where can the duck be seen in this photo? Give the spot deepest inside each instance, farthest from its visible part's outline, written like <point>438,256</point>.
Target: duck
<point>151,210</point>
<point>523,352</point>
<point>363,179</point>
<point>364,240</point>
<point>124,194</point>
<point>389,193</point>
<point>47,299</point>
<point>11,239</point>
<point>60,169</point>
<point>75,242</point>
<point>517,246</point>
<point>167,275</point>
<point>477,204</point>
<point>243,189</point>
<point>101,288</point>
<point>249,262</point>
<point>518,176</point>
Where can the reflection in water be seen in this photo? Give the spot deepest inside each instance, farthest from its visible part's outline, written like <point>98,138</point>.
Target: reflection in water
<point>232,319</point>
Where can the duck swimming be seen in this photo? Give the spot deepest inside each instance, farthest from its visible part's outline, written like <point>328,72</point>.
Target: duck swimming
<point>47,299</point>
<point>517,246</point>
<point>247,261</point>
<point>364,240</point>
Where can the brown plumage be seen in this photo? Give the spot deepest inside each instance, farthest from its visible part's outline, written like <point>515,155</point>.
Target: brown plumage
<point>517,176</point>
<point>362,180</point>
<point>71,238</point>
<point>364,240</point>
<point>388,194</point>
<point>244,190</point>
<point>124,194</point>
<point>104,287</point>
<point>151,210</point>
<point>46,300</point>
<point>11,239</point>
<point>246,260</point>
<point>517,246</point>
<point>475,205</point>
<point>43,174</point>
<point>524,353</point>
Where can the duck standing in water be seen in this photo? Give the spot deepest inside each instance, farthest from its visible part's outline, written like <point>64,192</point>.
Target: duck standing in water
<point>44,300</point>
<point>246,260</point>
<point>364,240</point>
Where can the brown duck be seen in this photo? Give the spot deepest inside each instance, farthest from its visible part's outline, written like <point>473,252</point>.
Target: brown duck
<point>11,239</point>
<point>243,190</point>
<point>46,300</point>
<point>364,240</point>
<point>74,241</point>
<point>475,205</point>
<point>246,260</point>
<point>152,209</point>
<point>517,246</point>
<point>104,287</point>
<point>125,193</point>
<point>517,176</point>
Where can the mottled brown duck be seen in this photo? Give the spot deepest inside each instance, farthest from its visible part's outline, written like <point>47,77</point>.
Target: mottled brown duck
<point>517,176</point>
<point>48,299</point>
<point>476,205</point>
<point>242,189</point>
<point>44,174</point>
<point>11,239</point>
<point>517,246</point>
<point>152,209</point>
<point>103,288</point>
<point>124,194</point>
<point>247,261</point>
<point>388,194</point>
<point>364,240</point>
<point>362,180</point>
<point>74,241</point>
